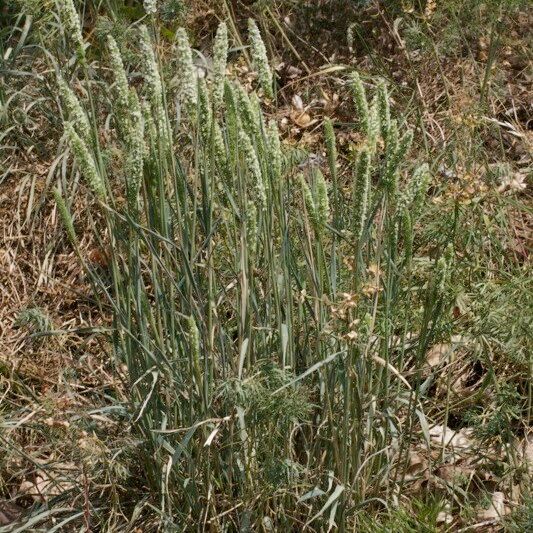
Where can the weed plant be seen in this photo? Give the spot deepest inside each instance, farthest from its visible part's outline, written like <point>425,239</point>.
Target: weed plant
<point>262,310</point>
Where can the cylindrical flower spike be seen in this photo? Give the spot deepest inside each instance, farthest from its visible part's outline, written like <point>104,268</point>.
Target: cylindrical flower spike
<point>443,269</point>
<point>154,87</point>
<point>260,58</point>
<point>393,138</point>
<point>136,148</point>
<point>71,20</point>
<point>395,158</point>
<point>362,188</point>
<point>417,183</point>
<point>186,69</point>
<point>151,71</point>
<point>384,110</point>
<point>424,180</point>
<point>257,113</point>
<point>274,149</point>
<point>205,117</point>
<point>194,347</point>
<point>254,168</point>
<point>149,128</point>
<point>220,57</point>
<point>405,145</point>
<point>373,126</point>
<point>119,73</point>
<point>221,154</point>
<point>86,162</point>
<point>76,114</point>
<point>361,103</point>
<point>247,113</point>
<point>232,120</point>
<point>322,200</point>
<point>309,202</point>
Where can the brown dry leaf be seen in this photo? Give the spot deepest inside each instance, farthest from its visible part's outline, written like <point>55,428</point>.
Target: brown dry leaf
<point>496,510</point>
<point>458,440</point>
<point>445,516</point>
<point>515,182</point>
<point>302,119</point>
<point>452,473</point>
<point>417,465</point>
<point>46,486</point>
<point>293,72</point>
<point>417,472</point>
<point>374,270</point>
<point>459,383</point>
<point>437,353</point>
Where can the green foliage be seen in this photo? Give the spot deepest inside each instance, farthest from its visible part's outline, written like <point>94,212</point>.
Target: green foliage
<point>421,519</point>
<point>521,519</point>
<point>499,417</point>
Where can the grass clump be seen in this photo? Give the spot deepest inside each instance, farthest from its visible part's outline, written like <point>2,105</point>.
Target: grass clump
<point>244,338</point>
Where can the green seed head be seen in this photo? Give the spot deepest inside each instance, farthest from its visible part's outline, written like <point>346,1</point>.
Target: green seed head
<point>373,127</point>
<point>135,146</point>
<point>415,188</point>
<point>322,200</point>
<point>443,269</point>
<point>221,155</point>
<point>260,59</point>
<point>405,145</point>
<point>205,113</point>
<point>186,70</point>
<point>395,156</point>
<point>149,129</point>
<point>254,168</point>
<point>121,81</point>
<point>247,112</point>
<point>85,162</point>
<point>393,138</point>
<point>309,202</point>
<point>384,110</point>
<point>76,114</point>
<point>274,150</point>
<point>150,6</point>
<point>425,180</point>
<point>361,103</point>
<point>317,204</point>
<point>194,338</point>
<point>71,20</point>
<point>150,68</point>
<point>220,57</point>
